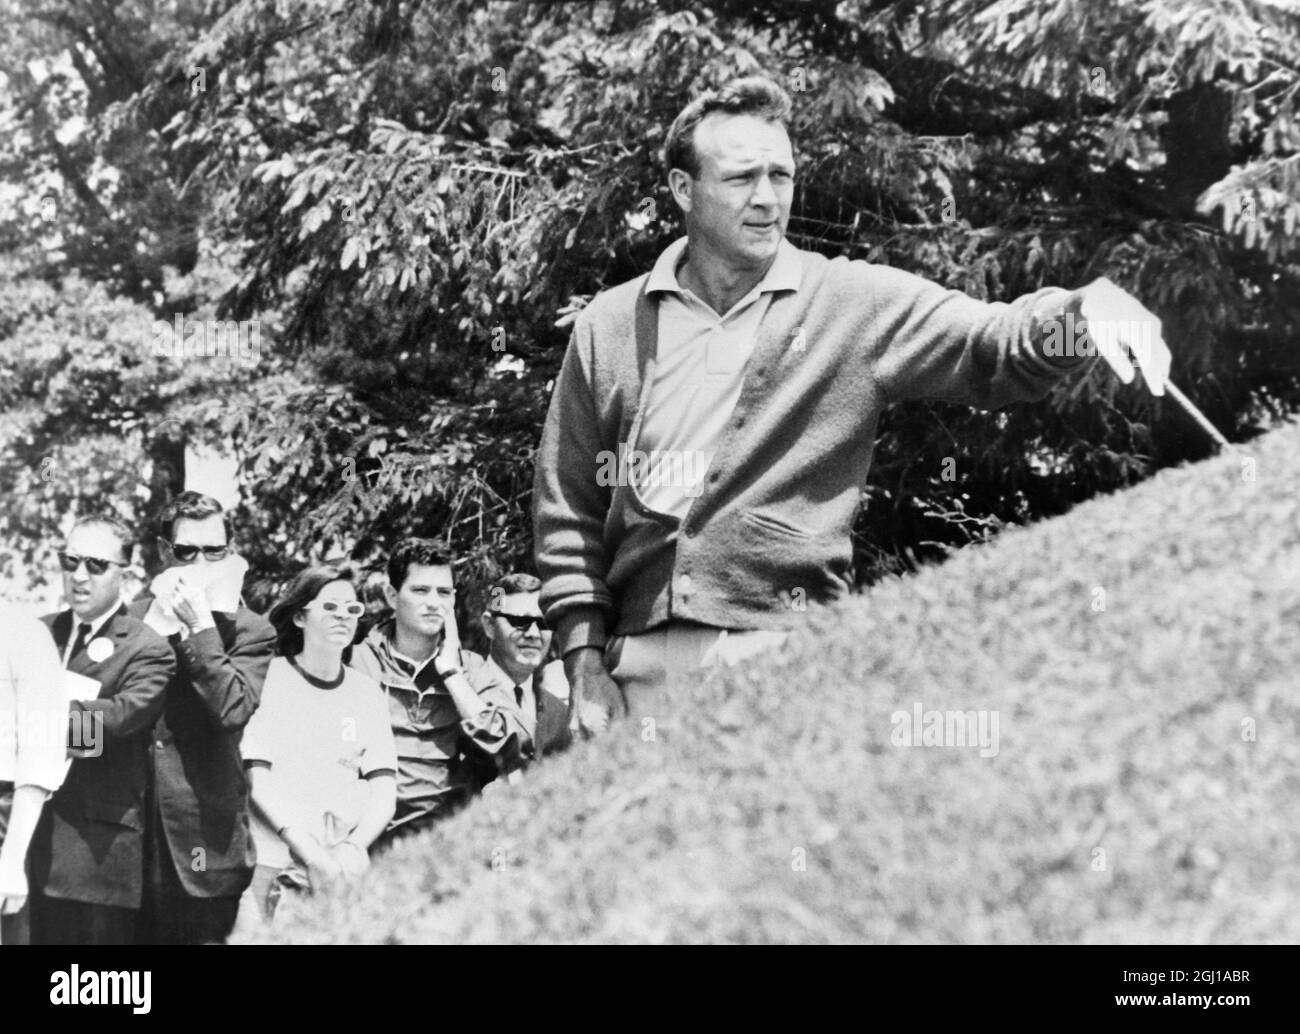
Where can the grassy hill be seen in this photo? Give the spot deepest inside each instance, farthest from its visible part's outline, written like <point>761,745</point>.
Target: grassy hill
<point>1146,784</point>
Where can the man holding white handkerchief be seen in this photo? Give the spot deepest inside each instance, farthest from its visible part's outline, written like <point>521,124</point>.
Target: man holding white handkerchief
<point>199,854</point>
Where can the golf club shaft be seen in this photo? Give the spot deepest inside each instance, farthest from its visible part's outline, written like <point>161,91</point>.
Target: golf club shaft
<point>1190,408</point>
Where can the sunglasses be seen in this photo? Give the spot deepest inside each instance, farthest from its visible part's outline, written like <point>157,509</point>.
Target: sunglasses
<point>522,622</point>
<point>95,565</point>
<point>187,553</point>
<point>353,610</point>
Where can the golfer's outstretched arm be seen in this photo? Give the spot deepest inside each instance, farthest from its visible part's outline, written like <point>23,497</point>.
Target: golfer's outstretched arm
<point>943,344</point>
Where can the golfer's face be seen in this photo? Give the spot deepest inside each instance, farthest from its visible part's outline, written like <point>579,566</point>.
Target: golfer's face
<point>740,201</point>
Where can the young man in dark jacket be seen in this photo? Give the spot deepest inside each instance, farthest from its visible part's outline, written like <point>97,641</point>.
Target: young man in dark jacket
<point>415,656</point>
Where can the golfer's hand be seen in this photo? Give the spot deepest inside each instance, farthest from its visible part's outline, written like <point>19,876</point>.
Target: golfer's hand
<point>597,700</point>
<point>1118,322</point>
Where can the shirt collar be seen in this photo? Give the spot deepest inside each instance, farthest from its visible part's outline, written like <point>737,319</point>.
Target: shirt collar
<point>383,638</point>
<point>97,625</point>
<point>416,666</point>
<point>784,274</point>
<point>526,709</point>
<point>495,673</point>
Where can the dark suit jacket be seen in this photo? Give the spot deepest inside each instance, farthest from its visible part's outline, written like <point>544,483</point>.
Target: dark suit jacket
<point>199,779</point>
<point>552,733</point>
<point>551,688</point>
<point>88,844</point>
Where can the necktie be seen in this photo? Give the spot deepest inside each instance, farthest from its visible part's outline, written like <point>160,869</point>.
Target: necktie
<point>78,644</point>
<point>519,695</point>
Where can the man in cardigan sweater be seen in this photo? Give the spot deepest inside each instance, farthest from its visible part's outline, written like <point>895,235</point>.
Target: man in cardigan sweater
<point>713,422</point>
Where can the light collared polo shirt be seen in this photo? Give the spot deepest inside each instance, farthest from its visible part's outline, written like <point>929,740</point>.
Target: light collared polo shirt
<point>698,373</point>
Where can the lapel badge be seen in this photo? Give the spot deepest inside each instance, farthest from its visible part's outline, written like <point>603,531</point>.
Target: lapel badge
<point>100,649</point>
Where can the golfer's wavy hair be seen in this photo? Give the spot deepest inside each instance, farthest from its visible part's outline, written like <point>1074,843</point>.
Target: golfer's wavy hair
<point>754,95</point>
<point>305,587</point>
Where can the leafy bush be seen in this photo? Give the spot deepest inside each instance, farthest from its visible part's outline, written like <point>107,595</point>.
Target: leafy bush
<point>414,199</point>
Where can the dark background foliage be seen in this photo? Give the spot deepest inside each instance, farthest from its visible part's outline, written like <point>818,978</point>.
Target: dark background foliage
<point>414,199</point>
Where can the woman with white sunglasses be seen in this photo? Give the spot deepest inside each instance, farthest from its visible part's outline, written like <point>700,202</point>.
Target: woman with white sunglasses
<point>319,750</point>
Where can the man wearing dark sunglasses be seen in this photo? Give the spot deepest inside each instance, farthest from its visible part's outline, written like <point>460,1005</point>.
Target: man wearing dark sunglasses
<point>87,851</point>
<point>526,699</point>
<point>199,852</point>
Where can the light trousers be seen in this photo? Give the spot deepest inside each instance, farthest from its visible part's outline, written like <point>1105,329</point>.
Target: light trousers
<point>652,667</point>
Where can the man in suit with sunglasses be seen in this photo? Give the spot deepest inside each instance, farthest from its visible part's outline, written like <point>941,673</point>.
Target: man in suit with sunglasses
<point>86,853</point>
<point>525,700</point>
<point>199,853</point>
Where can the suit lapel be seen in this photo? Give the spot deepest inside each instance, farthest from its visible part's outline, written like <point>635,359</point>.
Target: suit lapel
<point>226,624</point>
<point>61,628</point>
<point>116,631</point>
<point>535,688</point>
